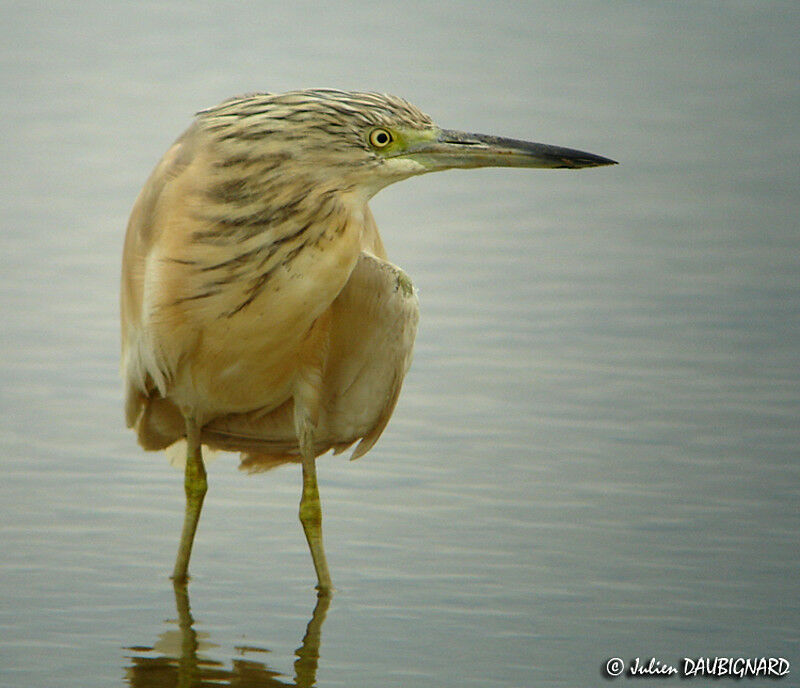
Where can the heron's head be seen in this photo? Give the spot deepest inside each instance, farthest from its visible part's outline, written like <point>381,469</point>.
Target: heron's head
<point>361,141</point>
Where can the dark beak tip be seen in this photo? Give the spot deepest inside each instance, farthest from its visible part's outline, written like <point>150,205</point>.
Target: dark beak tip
<point>597,161</point>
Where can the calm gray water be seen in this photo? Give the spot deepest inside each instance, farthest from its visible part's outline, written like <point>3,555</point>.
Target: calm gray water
<point>596,451</point>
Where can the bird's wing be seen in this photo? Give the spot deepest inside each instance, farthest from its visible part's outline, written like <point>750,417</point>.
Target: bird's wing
<point>372,339</point>
<point>143,369</point>
<point>374,323</point>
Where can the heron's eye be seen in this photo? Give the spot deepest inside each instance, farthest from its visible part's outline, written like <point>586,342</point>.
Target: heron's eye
<point>380,138</point>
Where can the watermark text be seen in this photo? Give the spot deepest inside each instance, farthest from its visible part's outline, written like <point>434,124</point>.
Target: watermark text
<point>697,667</point>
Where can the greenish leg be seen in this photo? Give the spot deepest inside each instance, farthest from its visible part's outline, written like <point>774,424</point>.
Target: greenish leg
<point>311,518</point>
<point>195,485</point>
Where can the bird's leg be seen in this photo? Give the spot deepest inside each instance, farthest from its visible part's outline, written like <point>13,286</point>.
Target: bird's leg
<point>307,394</point>
<point>311,509</point>
<point>195,485</point>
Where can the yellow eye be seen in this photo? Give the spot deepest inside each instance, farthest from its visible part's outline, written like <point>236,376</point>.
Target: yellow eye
<point>380,138</point>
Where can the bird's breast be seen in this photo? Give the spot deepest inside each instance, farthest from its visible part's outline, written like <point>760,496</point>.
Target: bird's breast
<point>250,346</point>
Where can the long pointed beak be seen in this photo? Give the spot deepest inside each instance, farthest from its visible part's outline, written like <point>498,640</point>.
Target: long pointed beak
<point>459,149</point>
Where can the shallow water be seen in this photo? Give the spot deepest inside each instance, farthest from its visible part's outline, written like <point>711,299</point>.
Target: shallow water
<point>596,450</point>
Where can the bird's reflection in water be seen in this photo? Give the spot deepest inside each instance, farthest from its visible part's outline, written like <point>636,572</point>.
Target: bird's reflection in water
<point>179,662</point>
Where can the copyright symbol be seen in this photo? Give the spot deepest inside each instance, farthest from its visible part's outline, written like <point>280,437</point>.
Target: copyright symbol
<point>614,667</point>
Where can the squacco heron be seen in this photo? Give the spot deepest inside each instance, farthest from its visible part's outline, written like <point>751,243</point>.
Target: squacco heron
<point>259,311</point>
